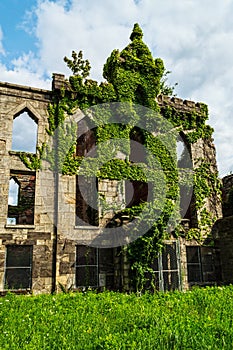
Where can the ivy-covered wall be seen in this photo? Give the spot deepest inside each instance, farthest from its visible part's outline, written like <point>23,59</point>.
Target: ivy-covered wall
<point>133,77</point>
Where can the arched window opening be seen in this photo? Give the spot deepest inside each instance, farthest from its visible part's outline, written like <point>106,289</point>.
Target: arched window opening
<point>24,133</point>
<point>13,198</point>
<point>21,199</point>
<point>187,201</point>
<point>184,160</point>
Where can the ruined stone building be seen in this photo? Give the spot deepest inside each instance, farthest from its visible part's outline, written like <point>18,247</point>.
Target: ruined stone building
<point>27,233</point>
<point>40,250</point>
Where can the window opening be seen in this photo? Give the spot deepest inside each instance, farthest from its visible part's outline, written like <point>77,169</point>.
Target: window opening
<point>13,192</point>
<point>187,201</point>
<point>86,266</point>
<point>137,150</point>
<point>86,201</point>
<point>200,264</point>
<point>18,271</point>
<point>21,199</point>
<point>137,192</point>
<point>86,139</point>
<point>94,267</point>
<point>166,268</point>
<point>24,133</point>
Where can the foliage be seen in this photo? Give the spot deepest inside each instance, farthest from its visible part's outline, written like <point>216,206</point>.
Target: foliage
<point>135,77</point>
<point>206,184</point>
<point>166,89</point>
<point>32,161</point>
<point>78,66</point>
<point>198,319</point>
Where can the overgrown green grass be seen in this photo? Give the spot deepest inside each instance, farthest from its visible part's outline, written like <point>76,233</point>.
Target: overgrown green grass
<point>199,319</point>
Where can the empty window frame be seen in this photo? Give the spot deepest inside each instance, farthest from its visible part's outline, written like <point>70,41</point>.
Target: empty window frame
<point>137,148</point>
<point>86,201</point>
<point>200,264</point>
<point>14,188</point>
<point>86,139</point>
<point>137,192</point>
<point>21,198</point>
<point>18,269</point>
<point>24,133</point>
<point>94,267</point>
<point>166,274</point>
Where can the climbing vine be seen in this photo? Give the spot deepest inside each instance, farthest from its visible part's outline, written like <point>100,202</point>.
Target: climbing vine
<point>134,77</point>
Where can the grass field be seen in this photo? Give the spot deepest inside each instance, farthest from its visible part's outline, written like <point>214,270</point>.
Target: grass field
<point>198,319</point>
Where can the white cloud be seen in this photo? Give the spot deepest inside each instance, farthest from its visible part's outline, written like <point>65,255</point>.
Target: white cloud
<point>194,37</point>
<point>23,76</point>
<point>94,27</point>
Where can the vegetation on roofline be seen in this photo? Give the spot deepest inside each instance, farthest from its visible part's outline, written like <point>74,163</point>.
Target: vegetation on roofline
<point>134,77</point>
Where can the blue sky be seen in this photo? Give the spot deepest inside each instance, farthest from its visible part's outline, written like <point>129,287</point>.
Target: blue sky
<point>193,37</point>
<point>15,39</point>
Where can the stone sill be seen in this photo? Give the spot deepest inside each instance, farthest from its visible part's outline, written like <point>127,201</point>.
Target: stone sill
<point>20,226</point>
<point>16,153</point>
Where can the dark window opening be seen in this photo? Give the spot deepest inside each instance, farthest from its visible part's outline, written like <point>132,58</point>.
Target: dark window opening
<point>184,163</point>
<point>137,192</point>
<point>21,198</point>
<point>188,210</point>
<point>24,133</point>
<point>18,271</point>
<point>94,267</point>
<point>137,150</point>
<point>200,264</point>
<point>86,139</point>
<point>86,201</point>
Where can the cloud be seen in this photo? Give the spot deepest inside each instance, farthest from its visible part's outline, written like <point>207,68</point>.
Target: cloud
<point>24,134</point>
<point>192,36</point>
<point>94,27</point>
<point>23,76</point>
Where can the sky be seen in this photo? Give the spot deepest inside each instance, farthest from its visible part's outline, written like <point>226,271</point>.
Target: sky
<point>193,37</point>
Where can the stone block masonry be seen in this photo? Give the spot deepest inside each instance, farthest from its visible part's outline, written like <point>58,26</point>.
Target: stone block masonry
<point>54,256</point>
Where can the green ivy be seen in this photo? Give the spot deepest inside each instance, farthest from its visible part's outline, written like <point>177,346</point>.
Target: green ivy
<point>132,76</point>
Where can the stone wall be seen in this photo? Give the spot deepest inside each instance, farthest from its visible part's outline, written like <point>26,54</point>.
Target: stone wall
<point>202,150</point>
<point>227,195</point>
<point>223,231</point>
<point>15,100</point>
<point>54,247</point>
<point>223,237</point>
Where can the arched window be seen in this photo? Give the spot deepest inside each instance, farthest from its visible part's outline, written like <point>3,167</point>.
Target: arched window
<point>13,198</point>
<point>184,163</point>
<point>24,133</point>
<point>21,198</point>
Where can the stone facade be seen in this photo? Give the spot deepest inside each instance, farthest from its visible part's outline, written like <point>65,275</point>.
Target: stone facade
<point>56,258</point>
<point>223,231</point>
